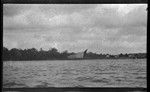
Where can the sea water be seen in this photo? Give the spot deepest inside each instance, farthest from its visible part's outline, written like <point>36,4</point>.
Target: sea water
<point>75,73</point>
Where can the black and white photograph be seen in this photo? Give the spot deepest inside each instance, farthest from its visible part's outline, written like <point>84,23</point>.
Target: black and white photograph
<point>74,46</point>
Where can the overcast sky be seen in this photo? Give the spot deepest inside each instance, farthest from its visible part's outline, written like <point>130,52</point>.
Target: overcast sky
<point>101,28</point>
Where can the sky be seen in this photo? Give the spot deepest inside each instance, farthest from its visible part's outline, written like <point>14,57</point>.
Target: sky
<point>100,28</point>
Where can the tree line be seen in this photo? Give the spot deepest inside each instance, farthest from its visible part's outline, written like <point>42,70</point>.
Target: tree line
<point>15,54</point>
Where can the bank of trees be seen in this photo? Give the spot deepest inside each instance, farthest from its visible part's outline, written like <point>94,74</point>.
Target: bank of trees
<point>52,54</point>
<point>33,54</point>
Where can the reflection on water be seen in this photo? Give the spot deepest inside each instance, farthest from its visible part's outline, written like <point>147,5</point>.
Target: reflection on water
<point>75,73</point>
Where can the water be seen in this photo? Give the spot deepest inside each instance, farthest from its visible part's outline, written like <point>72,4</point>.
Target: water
<point>75,73</point>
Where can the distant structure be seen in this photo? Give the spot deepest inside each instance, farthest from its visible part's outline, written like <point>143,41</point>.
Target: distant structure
<point>116,56</point>
<point>78,55</point>
<point>107,56</point>
<point>132,56</point>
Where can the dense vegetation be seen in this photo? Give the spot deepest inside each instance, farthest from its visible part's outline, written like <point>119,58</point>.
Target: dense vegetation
<point>52,54</point>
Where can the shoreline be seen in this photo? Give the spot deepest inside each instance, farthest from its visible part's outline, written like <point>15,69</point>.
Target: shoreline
<point>77,59</point>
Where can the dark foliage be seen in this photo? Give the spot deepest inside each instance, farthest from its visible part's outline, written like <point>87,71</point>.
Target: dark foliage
<point>53,54</point>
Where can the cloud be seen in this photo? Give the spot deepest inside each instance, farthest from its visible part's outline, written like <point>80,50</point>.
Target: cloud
<point>10,10</point>
<point>65,8</point>
<point>136,17</point>
<point>98,27</point>
<point>98,15</point>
